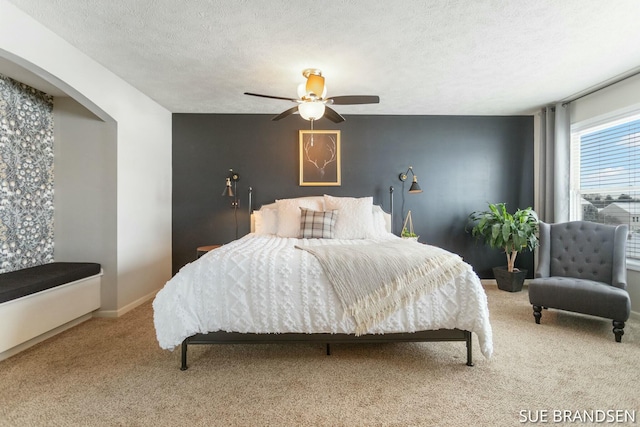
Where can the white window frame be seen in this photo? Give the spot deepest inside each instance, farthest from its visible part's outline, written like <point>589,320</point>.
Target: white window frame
<point>586,127</point>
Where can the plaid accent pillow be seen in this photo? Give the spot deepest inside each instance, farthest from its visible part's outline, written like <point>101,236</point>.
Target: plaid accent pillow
<point>317,224</point>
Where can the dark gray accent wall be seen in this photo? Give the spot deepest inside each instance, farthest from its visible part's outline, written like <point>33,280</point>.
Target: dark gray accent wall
<point>462,162</point>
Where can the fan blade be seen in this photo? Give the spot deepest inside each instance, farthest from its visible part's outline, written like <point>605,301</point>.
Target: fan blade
<point>332,115</point>
<point>272,97</point>
<point>285,113</point>
<point>354,99</point>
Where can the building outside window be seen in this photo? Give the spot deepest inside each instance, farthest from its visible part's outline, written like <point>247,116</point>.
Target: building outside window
<point>605,174</point>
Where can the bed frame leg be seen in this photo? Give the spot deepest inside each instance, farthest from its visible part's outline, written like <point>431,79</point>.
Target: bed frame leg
<point>184,366</point>
<point>328,349</point>
<point>469,348</point>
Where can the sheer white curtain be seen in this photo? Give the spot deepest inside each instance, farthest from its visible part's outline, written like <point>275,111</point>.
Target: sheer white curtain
<point>553,164</point>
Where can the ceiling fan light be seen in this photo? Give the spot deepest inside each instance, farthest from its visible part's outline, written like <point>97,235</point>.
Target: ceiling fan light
<point>302,90</point>
<point>315,85</point>
<point>311,110</point>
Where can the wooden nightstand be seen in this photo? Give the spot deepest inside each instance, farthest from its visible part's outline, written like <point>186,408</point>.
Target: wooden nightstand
<point>204,249</point>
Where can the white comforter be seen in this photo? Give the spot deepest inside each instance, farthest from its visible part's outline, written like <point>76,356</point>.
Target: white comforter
<point>263,284</point>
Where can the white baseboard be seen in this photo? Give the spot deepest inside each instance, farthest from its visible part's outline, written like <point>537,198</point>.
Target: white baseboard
<point>127,308</point>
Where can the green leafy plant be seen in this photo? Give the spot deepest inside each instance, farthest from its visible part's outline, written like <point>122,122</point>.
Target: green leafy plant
<point>407,233</point>
<point>513,233</point>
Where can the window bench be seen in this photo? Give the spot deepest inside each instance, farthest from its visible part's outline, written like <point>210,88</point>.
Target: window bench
<point>38,302</point>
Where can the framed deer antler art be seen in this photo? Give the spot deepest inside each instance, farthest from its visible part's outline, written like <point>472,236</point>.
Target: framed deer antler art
<point>320,158</point>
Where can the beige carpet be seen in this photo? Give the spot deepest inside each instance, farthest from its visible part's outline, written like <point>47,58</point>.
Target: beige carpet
<point>111,372</point>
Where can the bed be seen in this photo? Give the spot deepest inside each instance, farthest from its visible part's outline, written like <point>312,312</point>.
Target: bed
<point>286,281</point>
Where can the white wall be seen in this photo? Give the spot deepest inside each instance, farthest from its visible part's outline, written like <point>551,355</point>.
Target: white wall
<point>611,101</point>
<point>85,170</point>
<point>143,150</point>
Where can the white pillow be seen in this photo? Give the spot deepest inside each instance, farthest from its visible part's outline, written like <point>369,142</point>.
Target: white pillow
<point>265,221</point>
<point>289,214</point>
<point>256,217</point>
<point>379,222</point>
<point>355,216</point>
<point>269,206</point>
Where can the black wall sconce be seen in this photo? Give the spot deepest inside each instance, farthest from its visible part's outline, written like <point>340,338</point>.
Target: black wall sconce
<point>415,188</point>
<point>229,191</point>
<point>233,177</point>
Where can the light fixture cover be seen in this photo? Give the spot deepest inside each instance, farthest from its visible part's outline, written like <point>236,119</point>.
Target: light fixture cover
<point>302,90</point>
<point>315,85</point>
<point>415,188</point>
<point>228,191</point>
<point>311,110</point>
<point>313,88</point>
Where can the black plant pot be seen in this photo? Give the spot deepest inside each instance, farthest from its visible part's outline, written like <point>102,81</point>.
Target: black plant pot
<point>509,281</point>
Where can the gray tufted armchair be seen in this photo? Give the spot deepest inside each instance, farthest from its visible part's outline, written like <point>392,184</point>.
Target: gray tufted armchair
<point>582,268</point>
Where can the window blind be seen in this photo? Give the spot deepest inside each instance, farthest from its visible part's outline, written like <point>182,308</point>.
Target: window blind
<point>605,175</point>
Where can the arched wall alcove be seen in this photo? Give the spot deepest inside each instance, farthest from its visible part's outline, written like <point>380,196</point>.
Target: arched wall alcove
<point>84,175</point>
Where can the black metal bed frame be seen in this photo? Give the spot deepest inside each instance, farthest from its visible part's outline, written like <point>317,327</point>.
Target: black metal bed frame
<point>222,337</point>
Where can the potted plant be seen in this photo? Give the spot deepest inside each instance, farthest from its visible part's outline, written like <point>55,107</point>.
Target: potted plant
<point>407,233</point>
<point>513,233</point>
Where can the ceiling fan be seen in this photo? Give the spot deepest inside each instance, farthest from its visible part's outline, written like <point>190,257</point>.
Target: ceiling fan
<point>312,101</point>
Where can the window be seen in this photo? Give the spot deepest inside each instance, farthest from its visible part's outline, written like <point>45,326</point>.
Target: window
<point>605,175</point>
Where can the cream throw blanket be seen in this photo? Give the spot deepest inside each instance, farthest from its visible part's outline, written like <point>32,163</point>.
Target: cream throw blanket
<point>376,279</point>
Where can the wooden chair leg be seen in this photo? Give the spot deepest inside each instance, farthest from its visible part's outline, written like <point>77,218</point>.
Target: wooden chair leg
<point>537,313</point>
<point>618,330</point>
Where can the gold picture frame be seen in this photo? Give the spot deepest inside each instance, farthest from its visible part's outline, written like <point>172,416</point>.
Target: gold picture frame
<point>320,158</point>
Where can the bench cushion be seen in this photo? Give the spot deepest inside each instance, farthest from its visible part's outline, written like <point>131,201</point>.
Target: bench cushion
<point>20,283</point>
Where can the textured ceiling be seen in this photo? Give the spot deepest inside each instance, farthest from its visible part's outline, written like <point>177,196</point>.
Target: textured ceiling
<point>484,57</point>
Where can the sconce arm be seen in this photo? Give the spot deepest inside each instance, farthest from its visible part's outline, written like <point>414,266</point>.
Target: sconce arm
<point>403,176</point>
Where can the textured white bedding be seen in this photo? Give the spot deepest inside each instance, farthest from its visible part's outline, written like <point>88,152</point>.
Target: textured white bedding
<point>263,284</point>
